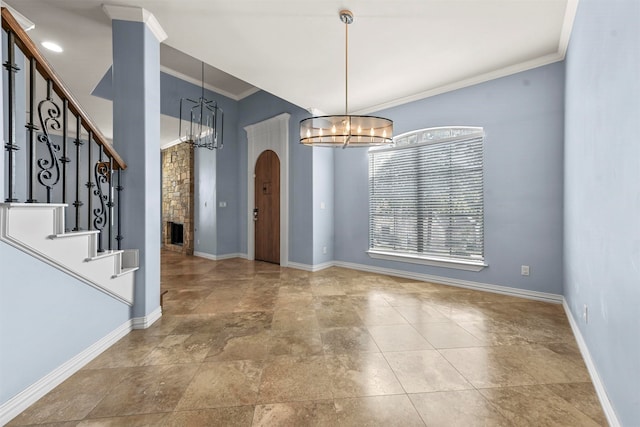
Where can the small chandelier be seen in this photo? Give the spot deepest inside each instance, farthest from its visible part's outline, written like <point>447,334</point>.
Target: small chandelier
<point>347,130</point>
<point>201,122</point>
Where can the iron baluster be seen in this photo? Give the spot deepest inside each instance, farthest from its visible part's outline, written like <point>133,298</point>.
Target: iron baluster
<point>89,184</point>
<point>32,128</point>
<point>11,146</point>
<point>64,160</point>
<point>78,203</point>
<point>110,203</point>
<point>119,189</point>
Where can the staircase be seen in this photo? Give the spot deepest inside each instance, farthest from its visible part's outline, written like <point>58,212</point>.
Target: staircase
<point>38,229</point>
<point>54,153</point>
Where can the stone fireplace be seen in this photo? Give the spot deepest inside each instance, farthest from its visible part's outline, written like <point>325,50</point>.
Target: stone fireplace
<point>177,198</point>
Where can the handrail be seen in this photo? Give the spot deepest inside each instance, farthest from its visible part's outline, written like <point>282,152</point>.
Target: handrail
<point>29,49</point>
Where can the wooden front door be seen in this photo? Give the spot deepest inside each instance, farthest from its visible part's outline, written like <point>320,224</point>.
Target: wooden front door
<point>267,208</point>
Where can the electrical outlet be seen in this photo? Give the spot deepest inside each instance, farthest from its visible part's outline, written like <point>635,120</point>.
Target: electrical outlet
<point>324,249</point>
<point>585,313</point>
<point>524,270</point>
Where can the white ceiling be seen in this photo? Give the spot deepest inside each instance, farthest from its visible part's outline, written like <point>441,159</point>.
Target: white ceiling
<point>399,50</point>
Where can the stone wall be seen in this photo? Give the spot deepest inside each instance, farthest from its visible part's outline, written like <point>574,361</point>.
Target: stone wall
<point>177,195</point>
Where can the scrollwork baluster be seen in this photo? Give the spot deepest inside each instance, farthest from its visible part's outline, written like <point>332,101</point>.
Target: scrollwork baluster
<point>49,174</point>
<point>102,176</point>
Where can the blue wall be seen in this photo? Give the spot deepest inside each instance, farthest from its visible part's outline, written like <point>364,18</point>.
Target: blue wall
<point>229,217</point>
<point>602,187</point>
<point>523,119</point>
<point>46,319</point>
<point>323,195</point>
<point>256,108</point>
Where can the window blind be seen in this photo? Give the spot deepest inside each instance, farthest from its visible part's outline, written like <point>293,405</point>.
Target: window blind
<point>426,195</point>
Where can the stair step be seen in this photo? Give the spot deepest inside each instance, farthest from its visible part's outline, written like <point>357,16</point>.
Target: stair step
<point>125,271</point>
<point>74,234</point>
<point>104,254</point>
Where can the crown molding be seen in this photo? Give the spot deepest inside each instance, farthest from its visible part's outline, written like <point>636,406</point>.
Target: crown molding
<point>482,78</point>
<point>136,14</point>
<point>181,76</point>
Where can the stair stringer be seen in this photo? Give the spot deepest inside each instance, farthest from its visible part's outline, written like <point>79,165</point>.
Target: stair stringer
<point>38,229</point>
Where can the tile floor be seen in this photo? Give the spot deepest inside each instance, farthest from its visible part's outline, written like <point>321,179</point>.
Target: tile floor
<point>246,343</point>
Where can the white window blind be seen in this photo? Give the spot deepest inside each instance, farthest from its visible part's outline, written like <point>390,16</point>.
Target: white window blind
<point>426,195</point>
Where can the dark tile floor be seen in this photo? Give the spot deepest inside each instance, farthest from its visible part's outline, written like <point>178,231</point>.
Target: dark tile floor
<point>247,343</point>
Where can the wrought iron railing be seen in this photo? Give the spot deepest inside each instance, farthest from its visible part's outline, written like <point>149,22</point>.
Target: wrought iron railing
<point>41,164</point>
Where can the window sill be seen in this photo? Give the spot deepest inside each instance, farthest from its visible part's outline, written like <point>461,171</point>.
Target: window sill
<point>425,260</point>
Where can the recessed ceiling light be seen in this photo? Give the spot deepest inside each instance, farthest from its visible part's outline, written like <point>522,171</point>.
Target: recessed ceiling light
<point>52,46</point>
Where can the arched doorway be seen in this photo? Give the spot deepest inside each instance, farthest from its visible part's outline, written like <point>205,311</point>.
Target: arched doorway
<point>266,213</point>
<point>270,134</point>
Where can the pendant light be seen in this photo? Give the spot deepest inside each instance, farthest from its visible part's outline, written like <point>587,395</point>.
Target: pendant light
<point>346,130</point>
<point>201,121</point>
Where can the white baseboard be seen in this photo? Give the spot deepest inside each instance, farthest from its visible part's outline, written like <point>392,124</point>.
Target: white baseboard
<point>591,367</point>
<point>312,268</point>
<point>146,321</point>
<point>219,257</point>
<point>44,385</point>
<point>505,290</point>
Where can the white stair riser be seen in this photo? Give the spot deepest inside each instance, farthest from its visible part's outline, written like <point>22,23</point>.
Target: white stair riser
<point>37,222</point>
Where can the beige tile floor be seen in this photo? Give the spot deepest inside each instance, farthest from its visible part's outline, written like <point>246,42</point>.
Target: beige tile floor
<point>247,343</point>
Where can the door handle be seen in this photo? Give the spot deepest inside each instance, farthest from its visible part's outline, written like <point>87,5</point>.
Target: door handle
<point>255,214</point>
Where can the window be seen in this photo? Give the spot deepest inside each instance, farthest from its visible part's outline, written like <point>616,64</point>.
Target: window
<point>426,198</point>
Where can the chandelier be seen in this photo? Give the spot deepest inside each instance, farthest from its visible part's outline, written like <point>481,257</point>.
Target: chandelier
<point>346,130</point>
<point>201,121</point>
